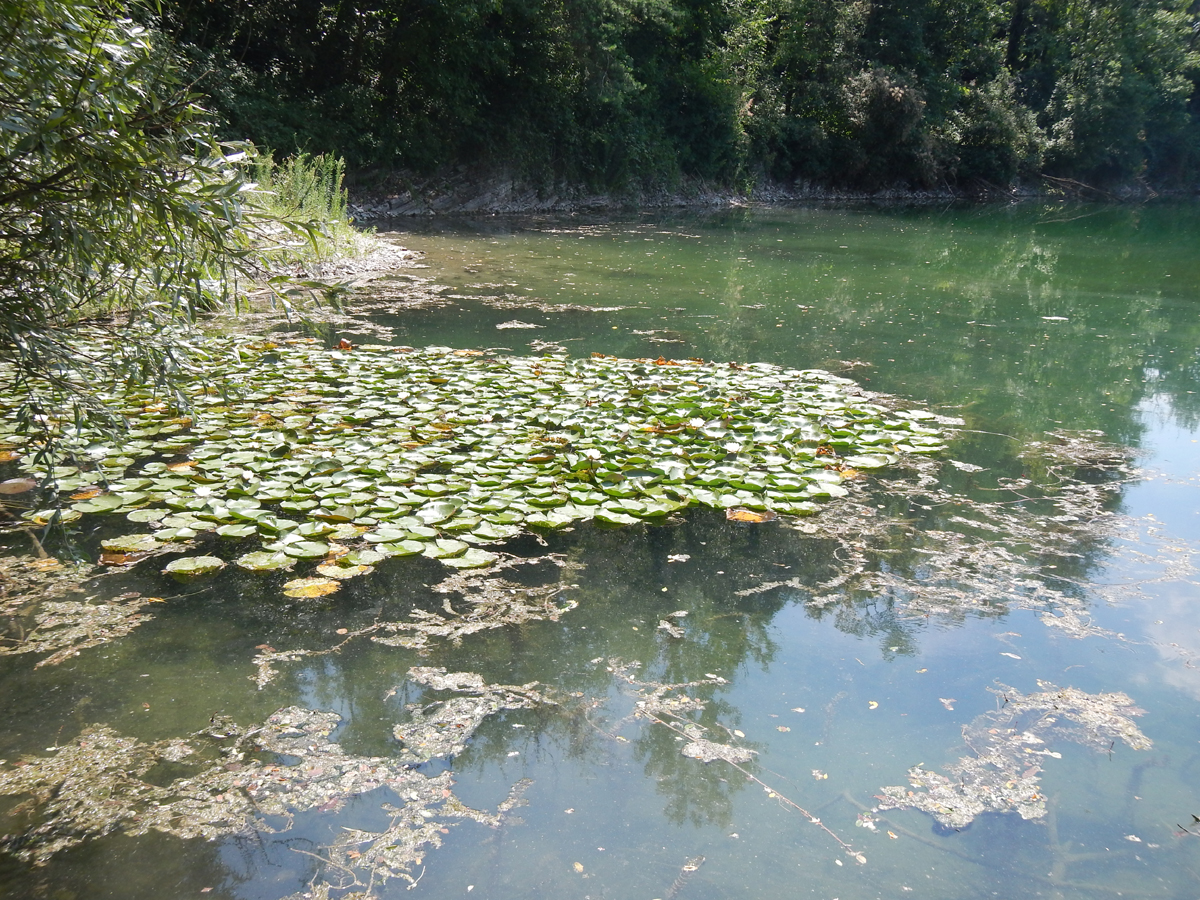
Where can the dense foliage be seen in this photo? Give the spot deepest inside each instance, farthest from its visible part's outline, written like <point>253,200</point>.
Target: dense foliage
<point>612,92</point>
<point>119,208</point>
<point>114,194</point>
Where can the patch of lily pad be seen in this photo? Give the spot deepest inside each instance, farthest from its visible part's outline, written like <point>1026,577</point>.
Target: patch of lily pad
<point>307,451</point>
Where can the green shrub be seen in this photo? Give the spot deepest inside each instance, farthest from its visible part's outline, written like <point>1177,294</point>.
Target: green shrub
<point>309,189</point>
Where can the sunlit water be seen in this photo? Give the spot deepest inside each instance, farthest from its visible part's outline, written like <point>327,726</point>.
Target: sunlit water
<point>1022,320</point>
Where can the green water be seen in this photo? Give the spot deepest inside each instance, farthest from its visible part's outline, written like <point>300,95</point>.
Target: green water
<point>1021,320</point>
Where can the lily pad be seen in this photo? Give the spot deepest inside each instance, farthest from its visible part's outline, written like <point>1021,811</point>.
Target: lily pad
<point>310,588</point>
<point>17,486</point>
<point>341,573</point>
<point>472,559</point>
<point>182,533</point>
<point>364,557</point>
<point>611,517</point>
<point>869,461</point>
<point>133,543</point>
<point>189,568</point>
<point>264,561</point>
<point>102,504</point>
<point>443,548</point>
<point>413,451</point>
<point>405,548</point>
<point>46,516</point>
<point>234,532</point>
<point>147,515</point>
<point>434,513</point>
<point>306,549</point>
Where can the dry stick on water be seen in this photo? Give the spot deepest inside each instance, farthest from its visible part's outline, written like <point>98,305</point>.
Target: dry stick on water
<point>850,851</point>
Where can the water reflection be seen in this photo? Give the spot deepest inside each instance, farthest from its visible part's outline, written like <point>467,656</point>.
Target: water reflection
<point>1028,316</point>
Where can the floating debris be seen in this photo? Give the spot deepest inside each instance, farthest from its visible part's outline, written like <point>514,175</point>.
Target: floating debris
<point>1009,744</point>
<point>671,629</point>
<point>965,467</point>
<point>656,704</point>
<point>515,301</point>
<point>441,730</point>
<point>709,751</point>
<point>654,699</point>
<point>689,868</point>
<point>992,555</point>
<point>63,628</point>
<point>98,785</point>
<point>491,602</point>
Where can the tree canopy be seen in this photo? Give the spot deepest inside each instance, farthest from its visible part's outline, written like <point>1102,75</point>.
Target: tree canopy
<point>611,92</point>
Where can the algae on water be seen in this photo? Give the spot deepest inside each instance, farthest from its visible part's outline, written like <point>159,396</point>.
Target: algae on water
<point>101,783</point>
<point>1010,746</point>
<point>485,601</point>
<point>441,730</point>
<point>40,620</point>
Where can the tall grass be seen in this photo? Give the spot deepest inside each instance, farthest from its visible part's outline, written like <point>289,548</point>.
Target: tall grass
<point>310,189</point>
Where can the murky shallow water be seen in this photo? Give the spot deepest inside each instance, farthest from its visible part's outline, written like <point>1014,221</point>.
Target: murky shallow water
<point>873,652</point>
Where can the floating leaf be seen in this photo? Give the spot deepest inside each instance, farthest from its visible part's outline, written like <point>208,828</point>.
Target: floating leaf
<point>385,535</point>
<point>315,529</point>
<point>433,513</point>
<point>869,461</point>
<point>340,572</point>
<point>364,557</point>
<point>445,547</point>
<point>132,543</point>
<point>404,548</point>
<point>264,561</point>
<point>175,534</point>
<point>306,549</point>
<point>46,516</point>
<point>17,486</point>
<point>192,567</point>
<point>414,452</point>
<point>474,558</point>
<point>308,588</point>
<point>749,516</point>
<point>550,519</point>
<point>236,531</point>
<point>102,504</point>
<point>147,515</point>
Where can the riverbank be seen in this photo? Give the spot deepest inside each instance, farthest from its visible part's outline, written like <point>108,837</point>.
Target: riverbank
<point>467,191</point>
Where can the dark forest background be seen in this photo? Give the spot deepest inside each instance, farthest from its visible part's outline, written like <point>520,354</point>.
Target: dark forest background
<point>638,93</point>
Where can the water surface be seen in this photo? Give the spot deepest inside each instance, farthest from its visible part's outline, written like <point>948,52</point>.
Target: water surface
<point>1022,320</point>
